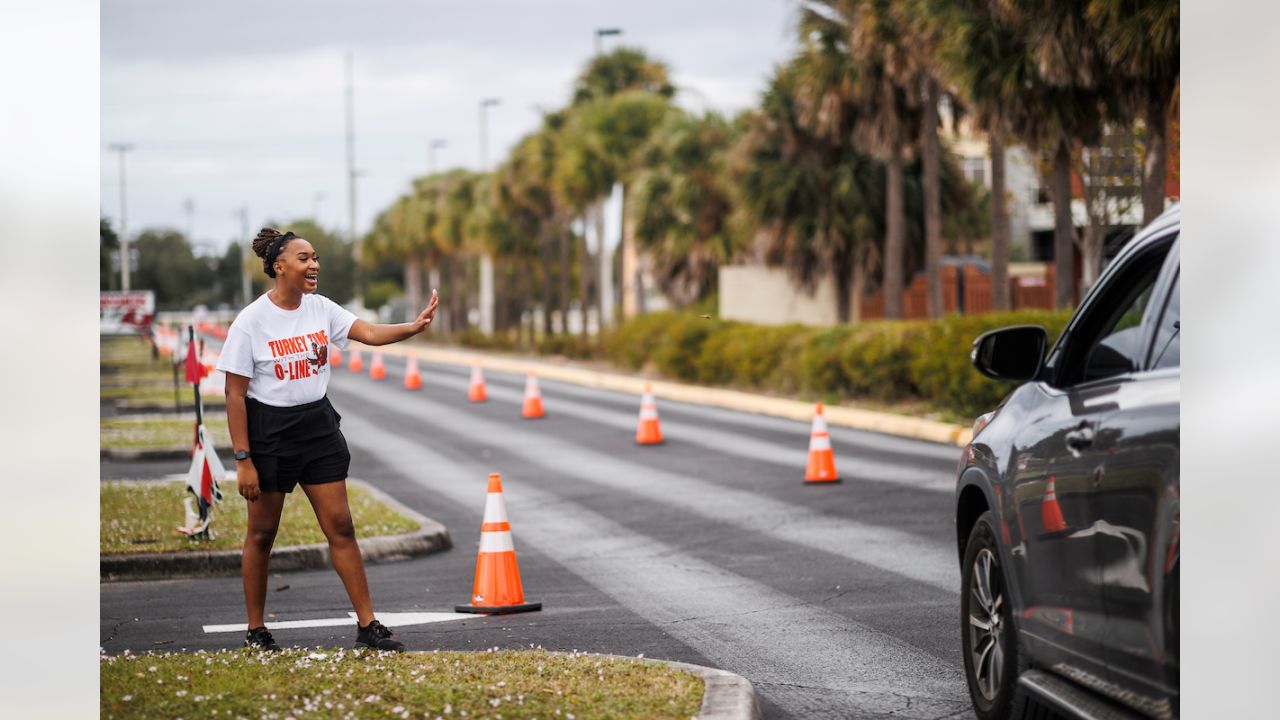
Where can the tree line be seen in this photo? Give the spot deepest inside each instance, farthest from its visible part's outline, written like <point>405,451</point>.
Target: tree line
<point>839,171</point>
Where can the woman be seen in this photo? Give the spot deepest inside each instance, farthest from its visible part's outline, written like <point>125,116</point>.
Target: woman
<point>283,429</point>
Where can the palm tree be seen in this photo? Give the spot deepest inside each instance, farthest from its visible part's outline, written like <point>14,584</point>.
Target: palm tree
<point>598,147</point>
<point>1140,43</point>
<point>982,51</point>
<point>680,204</point>
<point>1073,95</point>
<point>625,70</point>
<point>880,46</point>
<point>815,202</point>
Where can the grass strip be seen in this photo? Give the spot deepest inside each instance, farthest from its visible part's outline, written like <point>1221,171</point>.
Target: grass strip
<point>140,517</point>
<point>152,432</point>
<point>364,684</point>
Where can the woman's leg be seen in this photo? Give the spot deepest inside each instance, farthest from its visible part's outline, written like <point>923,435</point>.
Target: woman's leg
<point>329,500</point>
<point>264,521</point>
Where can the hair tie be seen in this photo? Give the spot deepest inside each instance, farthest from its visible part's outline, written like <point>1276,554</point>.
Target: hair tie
<point>273,252</point>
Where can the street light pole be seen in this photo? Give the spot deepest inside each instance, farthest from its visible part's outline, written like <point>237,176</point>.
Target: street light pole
<point>123,148</point>
<point>602,32</point>
<point>486,261</point>
<point>431,155</point>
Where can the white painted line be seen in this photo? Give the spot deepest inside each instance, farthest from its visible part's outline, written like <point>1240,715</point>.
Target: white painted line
<point>742,625</point>
<point>848,462</point>
<point>392,620</point>
<point>895,551</point>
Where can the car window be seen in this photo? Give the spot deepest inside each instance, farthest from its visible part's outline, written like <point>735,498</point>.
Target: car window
<point>1167,332</point>
<point>1106,339</point>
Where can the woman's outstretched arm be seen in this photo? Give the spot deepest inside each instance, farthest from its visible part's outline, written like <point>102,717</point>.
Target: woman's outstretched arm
<point>374,334</point>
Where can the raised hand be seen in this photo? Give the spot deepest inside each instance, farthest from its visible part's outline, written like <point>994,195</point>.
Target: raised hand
<point>425,318</point>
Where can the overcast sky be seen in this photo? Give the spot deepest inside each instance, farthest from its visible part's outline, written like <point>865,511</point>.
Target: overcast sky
<point>236,104</point>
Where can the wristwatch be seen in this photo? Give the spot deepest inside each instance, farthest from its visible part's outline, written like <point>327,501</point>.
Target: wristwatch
<point>242,455</point>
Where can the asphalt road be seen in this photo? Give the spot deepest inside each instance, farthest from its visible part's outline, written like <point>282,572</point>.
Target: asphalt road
<point>836,601</point>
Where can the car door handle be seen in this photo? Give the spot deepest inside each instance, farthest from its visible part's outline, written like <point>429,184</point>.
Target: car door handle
<point>1080,438</point>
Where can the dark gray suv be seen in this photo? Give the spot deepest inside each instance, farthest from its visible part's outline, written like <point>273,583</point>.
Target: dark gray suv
<point>1067,504</point>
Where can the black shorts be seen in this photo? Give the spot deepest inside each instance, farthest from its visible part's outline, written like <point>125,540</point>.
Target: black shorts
<point>281,473</point>
<point>298,444</point>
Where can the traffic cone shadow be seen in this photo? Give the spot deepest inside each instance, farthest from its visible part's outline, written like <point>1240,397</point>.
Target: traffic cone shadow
<point>648,429</point>
<point>532,399</point>
<point>412,377</point>
<point>377,369</point>
<point>477,392</point>
<point>822,459</point>
<point>497,589</point>
<point>356,365</point>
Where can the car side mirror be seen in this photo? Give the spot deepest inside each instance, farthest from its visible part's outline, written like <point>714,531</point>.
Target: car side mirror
<point>1012,353</point>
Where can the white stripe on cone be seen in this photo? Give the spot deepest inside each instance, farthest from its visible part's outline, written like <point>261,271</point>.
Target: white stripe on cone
<point>495,542</point>
<point>819,442</point>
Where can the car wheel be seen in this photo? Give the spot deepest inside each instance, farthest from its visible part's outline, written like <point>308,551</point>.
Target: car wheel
<point>992,660</point>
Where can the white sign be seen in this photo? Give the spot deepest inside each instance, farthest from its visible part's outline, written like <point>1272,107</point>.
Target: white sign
<point>126,313</point>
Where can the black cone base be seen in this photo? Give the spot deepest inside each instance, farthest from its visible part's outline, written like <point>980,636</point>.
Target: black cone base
<point>837,481</point>
<point>498,609</point>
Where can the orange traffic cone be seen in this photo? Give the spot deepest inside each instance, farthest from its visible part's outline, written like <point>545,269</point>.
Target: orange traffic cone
<point>356,365</point>
<point>377,370</point>
<point>648,430</point>
<point>412,378</point>
<point>477,393</point>
<point>532,399</point>
<point>497,588</point>
<point>1050,510</point>
<point>335,356</point>
<point>822,459</point>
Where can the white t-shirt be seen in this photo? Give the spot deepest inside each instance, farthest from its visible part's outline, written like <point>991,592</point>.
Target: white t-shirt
<point>285,353</point>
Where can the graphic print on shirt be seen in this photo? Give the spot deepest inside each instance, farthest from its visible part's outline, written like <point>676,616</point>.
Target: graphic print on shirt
<point>301,356</point>
<point>321,358</point>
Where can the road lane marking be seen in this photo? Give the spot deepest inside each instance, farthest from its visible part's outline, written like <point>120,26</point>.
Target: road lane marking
<point>740,624</point>
<point>888,549</point>
<point>849,463</point>
<point>393,619</point>
<point>880,442</point>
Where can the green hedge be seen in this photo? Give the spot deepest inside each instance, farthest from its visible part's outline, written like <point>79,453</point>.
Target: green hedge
<point>884,361</point>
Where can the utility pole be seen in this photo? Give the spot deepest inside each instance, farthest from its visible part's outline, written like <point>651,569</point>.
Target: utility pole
<point>431,155</point>
<point>486,261</point>
<point>351,179</point>
<point>246,251</point>
<point>123,148</point>
<point>315,207</point>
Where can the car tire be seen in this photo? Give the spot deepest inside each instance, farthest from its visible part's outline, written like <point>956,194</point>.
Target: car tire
<point>992,671</point>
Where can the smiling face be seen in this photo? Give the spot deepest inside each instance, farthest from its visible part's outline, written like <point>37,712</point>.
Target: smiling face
<point>298,266</point>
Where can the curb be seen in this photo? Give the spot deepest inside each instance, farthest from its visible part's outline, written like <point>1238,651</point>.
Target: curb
<point>887,423</point>
<point>726,695</point>
<point>169,453</point>
<point>431,537</point>
<point>126,407</point>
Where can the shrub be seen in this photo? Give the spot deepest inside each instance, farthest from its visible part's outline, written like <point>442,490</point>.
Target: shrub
<point>941,369</point>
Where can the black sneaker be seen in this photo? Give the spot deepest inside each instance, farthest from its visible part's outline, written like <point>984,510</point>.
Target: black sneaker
<point>260,639</point>
<point>378,637</point>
